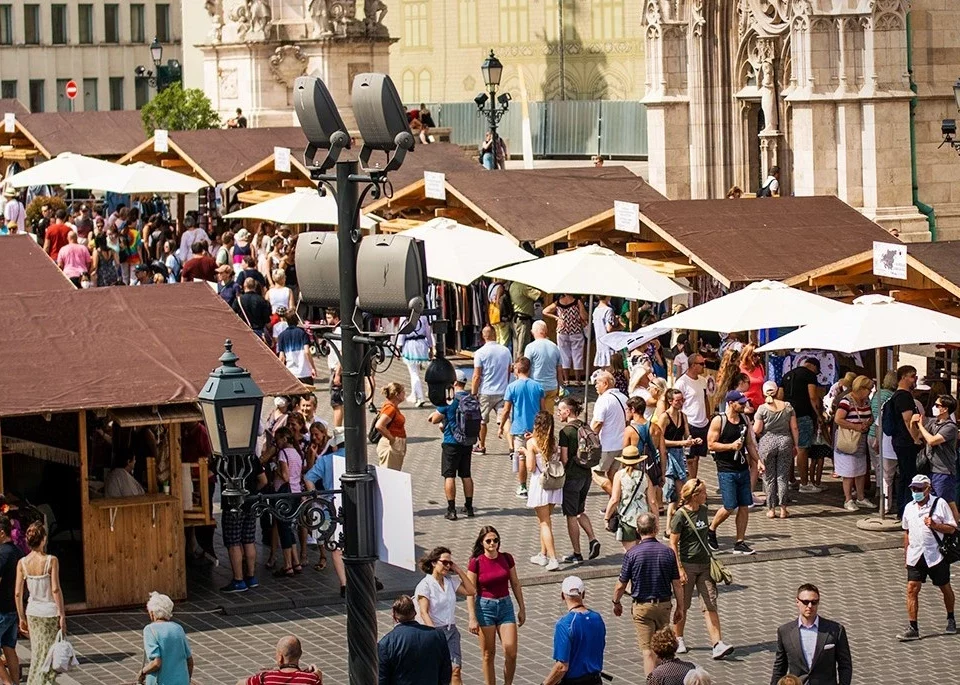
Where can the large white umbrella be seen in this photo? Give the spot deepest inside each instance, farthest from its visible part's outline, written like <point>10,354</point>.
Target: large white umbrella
<point>141,178</point>
<point>462,254</point>
<point>625,340</point>
<point>303,206</point>
<point>871,322</point>
<point>65,169</point>
<point>765,304</point>
<point>592,270</point>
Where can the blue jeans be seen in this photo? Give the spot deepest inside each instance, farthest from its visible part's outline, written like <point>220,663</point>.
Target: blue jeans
<point>676,471</point>
<point>735,489</point>
<point>488,161</point>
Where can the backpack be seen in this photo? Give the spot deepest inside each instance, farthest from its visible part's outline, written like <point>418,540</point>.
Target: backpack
<point>588,447</point>
<point>466,427</point>
<point>764,190</point>
<point>888,422</point>
<point>160,268</point>
<point>505,304</point>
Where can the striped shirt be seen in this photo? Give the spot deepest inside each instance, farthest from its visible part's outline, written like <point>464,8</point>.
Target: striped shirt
<point>651,567</point>
<point>855,413</point>
<point>285,677</point>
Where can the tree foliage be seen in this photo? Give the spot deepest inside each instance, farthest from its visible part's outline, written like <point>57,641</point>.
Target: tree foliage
<point>178,109</point>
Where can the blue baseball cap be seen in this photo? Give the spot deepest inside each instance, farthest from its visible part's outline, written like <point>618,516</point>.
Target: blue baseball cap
<point>736,396</point>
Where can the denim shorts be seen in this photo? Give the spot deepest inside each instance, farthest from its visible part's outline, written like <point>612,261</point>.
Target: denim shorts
<point>8,629</point>
<point>676,470</point>
<point>495,612</point>
<point>735,489</point>
<point>804,432</point>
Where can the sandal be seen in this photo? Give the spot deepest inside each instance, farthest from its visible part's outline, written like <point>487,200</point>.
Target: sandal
<point>271,564</point>
<point>320,565</point>
<point>298,569</point>
<point>283,573</point>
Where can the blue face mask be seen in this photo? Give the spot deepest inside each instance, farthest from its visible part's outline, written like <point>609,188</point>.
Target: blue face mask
<point>917,496</point>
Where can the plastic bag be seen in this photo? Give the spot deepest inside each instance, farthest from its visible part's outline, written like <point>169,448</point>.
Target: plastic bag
<point>61,657</point>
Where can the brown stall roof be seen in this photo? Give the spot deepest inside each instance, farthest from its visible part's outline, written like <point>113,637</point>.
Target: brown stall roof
<point>749,240</point>
<point>25,267</point>
<point>97,134</point>
<point>445,158</point>
<point>530,205</point>
<point>940,262</point>
<point>13,105</point>
<point>144,346</point>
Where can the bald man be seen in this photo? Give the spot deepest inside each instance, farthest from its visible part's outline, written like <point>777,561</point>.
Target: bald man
<point>288,671</point>
<point>491,374</point>
<point>546,364</point>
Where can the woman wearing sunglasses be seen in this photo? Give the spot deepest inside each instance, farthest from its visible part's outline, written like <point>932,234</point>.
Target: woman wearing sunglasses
<point>492,573</point>
<point>436,597</point>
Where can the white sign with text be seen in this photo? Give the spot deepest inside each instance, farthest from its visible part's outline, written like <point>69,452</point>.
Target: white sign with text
<point>626,216</point>
<point>890,260</point>
<point>434,185</point>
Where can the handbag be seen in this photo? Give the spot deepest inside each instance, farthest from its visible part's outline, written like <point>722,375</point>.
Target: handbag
<point>613,523</point>
<point>949,545</point>
<point>718,572</point>
<point>820,447</point>
<point>848,440</point>
<point>374,435</point>
<point>61,657</point>
<point>553,476</point>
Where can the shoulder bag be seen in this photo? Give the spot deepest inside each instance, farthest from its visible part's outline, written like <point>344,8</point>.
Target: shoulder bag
<point>554,475</point>
<point>718,572</point>
<point>949,545</point>
<point>613,523</point>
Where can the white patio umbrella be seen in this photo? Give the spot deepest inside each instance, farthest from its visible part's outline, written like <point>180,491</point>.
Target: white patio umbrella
<point>141,178</point>
<point>462,254</point>
<point>624,340</point>
<point>65,169</point>
<point>592,270</point>
<point>303,206</point>
<point>765,304</point>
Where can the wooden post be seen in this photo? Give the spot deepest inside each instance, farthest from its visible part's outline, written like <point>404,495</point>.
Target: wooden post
<point>2,489</point>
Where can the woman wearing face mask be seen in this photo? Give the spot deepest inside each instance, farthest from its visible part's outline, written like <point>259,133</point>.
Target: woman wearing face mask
<point>436,597</point>
<point>853,414</point>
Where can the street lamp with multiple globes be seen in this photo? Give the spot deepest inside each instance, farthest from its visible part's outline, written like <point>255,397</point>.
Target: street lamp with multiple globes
<point>492,70</point>
<point>162,75</point>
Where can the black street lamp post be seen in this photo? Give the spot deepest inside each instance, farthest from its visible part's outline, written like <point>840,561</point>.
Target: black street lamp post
<point>162,75</point>
<point>492,70</point>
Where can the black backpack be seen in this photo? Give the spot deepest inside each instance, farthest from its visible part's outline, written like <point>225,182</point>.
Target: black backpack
<point>764,190</point>
<point>466,427</point>
<point>505,303</point>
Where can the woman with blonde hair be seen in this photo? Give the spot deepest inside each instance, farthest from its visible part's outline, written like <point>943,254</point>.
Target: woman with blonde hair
<point>541,449</point>
<point>775,423</point>
<point>626,496</point>
<point>391,423</point>
<point>279,295</point>
<point>853,418</point>
<point>167,656</point>
<point>688,538</point>
<point>726,376</point>
<point>44,614</point>
<point>751,366</point>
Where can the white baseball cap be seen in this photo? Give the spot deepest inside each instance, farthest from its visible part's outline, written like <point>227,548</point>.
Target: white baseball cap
<point>572,587</point>
<point>461,376</point>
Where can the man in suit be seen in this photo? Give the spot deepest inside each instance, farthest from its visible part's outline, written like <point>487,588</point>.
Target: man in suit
<point>811,647</point>
<point>412,653</point>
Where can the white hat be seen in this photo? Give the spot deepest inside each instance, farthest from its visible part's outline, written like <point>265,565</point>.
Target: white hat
<point>770,388</point>
<point>461,376</point>
<point>920,479</point>
<point>242,234</point>
<point>338,435</point>
<point>572,587</point>
<point>279,402</point>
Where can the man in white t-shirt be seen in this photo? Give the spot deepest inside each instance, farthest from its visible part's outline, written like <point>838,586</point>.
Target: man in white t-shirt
<point>14,213</point>
<point>609,422</point>
<point>693,385</point>
<point>604,321</point>
<point>191,234</point>
<point>771,185</point>
<point>491,375</point>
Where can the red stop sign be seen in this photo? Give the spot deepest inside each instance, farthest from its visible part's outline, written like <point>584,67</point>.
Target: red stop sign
<point>71,89</point>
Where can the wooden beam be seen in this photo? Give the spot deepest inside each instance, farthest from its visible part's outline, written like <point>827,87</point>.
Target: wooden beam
<point>173,163</point>
<point>19,141</point>
<point>919,295</point>
<point>842,279</point>
<point>296,183</point>
<point>260,176</point>
<point>654,246</point>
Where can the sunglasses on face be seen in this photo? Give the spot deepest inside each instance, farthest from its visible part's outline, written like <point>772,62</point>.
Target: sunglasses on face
<point>492,541</point>
<point>808,602</point>
<point>446,562</point>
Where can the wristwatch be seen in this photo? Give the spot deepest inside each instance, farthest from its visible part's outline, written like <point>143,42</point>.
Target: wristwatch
<point>616,602</point>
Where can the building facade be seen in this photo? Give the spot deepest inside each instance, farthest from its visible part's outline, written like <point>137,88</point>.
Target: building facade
<point>97,44</point>
<point>566,50</point>
<point>845,96</point>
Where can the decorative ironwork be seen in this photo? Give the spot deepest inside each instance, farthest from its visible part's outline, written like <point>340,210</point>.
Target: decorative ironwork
<point>314,510</point>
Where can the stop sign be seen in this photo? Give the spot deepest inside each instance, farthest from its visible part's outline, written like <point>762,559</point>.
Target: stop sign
<point>71,89</point>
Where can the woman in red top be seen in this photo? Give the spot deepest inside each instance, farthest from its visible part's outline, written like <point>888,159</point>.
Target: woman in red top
<point>392,447</point>
<point>750,365</point>
<point>493,573</point>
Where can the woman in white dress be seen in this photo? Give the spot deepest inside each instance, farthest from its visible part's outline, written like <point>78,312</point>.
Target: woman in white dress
<point>541,448</point>
<point>416,347</point>
<point>279,295</point>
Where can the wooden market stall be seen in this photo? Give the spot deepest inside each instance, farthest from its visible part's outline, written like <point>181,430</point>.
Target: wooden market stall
<point>117,378</point>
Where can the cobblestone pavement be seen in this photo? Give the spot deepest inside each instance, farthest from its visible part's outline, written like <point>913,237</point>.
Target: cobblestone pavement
<point>863,587</point>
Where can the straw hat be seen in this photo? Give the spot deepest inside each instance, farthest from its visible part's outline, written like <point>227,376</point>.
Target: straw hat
<point>10,191</point>
<point>630,456</point>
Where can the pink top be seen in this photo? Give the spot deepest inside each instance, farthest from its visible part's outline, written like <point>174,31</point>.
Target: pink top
<point>294,463</point>
<point>493,575</point>
<point>755,392</point>
<point>74,259</point>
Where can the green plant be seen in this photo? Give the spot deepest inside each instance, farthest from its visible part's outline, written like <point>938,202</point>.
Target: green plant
<point>178,109</point>
<point>34,213</point>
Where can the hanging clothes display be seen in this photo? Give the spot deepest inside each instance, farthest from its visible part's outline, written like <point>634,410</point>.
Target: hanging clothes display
<point>779,364</point>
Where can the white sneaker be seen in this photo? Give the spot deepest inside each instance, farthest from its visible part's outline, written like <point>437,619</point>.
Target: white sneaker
<point>681,646</point>
<point>850,505</point>
<point>865,503</point>
<point>552,564</point>
<point>810,488</point>
<point>539,559</point>
<point>720,650</point>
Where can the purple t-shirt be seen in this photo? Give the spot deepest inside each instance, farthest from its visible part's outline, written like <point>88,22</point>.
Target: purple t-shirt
<point>493,575</point>
<point>294,464</point>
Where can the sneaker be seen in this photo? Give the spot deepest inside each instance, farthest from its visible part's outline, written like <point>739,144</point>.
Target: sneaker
<point>850,505</point>
<point>552,564</point>
<point>865,504</point>
<point>712,540</point>
<point>809,488</point>
<point>450,515</point>
<point>539,559</point>
<point>572,559</point>
<point>681,646</point>
<point>909,635</point>
<point>522,491</point>
<point>594,549</point>
<point>742,547</point>
<point>721,650</point>
<point>251,582</point>
<point>951,627</point>
<point>420,403</point>
<point>234,586</point>
<point>468,512</point>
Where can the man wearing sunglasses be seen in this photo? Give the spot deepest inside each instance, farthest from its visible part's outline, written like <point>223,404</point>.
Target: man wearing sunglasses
<point>812,647</point>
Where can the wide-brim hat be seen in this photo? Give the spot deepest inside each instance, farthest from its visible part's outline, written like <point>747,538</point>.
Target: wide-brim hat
<point>9,191</point>
<point>631,456</point>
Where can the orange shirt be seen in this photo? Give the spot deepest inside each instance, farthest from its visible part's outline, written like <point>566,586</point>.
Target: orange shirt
<point>397,424</point>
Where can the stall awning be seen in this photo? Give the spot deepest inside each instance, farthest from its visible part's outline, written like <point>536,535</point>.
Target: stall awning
<point>132,417</point>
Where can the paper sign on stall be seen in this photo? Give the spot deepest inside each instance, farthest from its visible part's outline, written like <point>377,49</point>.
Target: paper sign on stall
<point>281,159</point>
<point>434,185</point>
<point>9,122</point>
<point>890,260</point>
<point>161,140</point>
<point>626,216</point>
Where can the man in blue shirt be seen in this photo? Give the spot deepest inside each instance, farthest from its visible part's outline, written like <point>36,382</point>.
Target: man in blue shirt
<point>320,477</point>
<point>454,458</point>
<point>546,364</point>
<point>491,374</point>
<point>521,403</point>
<point>412,653</point>
<point>579,639</point>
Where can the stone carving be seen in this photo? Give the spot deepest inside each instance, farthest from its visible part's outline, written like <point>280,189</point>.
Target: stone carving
<point>235,30</point>
<point>287,63</point>
<point>373,13</point>
<point>768,97</point>
<point>228,84</point>
<point>322,21</point>
<point>259,13</point>
<point>215,9</point>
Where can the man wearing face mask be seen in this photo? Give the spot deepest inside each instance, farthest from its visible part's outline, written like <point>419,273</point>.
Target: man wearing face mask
<point>926,521</point>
